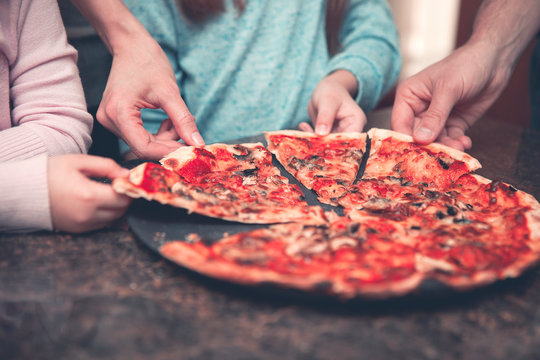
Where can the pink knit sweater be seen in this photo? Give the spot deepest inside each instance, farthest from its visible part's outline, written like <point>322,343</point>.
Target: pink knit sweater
<point>42,109</point>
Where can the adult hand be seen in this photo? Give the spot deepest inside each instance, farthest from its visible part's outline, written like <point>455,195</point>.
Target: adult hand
<point>332,107</point>
<point>142,77</point>
<point>441,102</point>
<point>79,204</point>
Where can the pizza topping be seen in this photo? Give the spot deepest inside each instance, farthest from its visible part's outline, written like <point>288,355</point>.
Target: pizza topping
<point>416,212</point>
<point>194,169</point>
<point>443,164</point>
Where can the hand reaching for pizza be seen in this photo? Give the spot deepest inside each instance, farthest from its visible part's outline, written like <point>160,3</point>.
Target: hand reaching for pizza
<point>443,101</point>
<point>79,204</point>
<point>332,107</point>
<point>165,133</point>
<point>142,77</point>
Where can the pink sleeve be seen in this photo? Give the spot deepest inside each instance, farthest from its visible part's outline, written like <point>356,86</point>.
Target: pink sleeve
<point>25,195</point>
<point>48,106</point>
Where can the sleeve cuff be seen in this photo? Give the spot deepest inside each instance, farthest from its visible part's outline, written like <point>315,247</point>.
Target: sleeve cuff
<point>25,195</point>
<point>368,78</point>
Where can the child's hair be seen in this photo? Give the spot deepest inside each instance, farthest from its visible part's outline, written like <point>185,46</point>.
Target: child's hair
<point>200,10</point>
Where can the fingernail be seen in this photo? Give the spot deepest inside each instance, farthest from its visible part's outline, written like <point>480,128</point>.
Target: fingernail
<point>322,129</point>
<point>197,139</point>
<point>423,133</point>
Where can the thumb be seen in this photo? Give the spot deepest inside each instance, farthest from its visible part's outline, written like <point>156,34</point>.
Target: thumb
<point>102,167</point>
<point>429,125</point>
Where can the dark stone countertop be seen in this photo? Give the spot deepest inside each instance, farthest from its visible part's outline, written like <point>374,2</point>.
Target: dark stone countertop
<point>106,295</point>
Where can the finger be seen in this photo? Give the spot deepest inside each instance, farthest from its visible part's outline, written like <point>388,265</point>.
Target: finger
<point>143,144</point>
<point>402,118</point>
<point>312,112</point>
<point>454,131</point>
<point>350,118</point>
<point>429,124</point>
<point>350,124</point>
<point>182,119</point>
<point>101,167</point>
<point>105,196</point>
<point>304,126</point>
<point>100,219</point>
<point>167,131</point>
<point>466,141</point>
<point>325,117</point>
<point>104,119</point>
<point>457,132</point>
<point>453,143</point>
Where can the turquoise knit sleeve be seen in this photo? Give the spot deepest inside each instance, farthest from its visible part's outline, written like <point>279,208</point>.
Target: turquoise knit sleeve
<point>370,50</point>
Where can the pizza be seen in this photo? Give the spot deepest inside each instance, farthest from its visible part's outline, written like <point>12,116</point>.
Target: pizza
<point>327,164</point>
<point>407,213</point>
<point>342,257</point>
<point>231,182</point>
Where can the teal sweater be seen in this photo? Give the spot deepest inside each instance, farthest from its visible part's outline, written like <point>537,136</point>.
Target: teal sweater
<point>243,74</point>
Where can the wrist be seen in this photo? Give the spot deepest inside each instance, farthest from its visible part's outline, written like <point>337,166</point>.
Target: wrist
<point>346,79</point>
<point>114,23</point>
<point>504,29</point>
<point>483,53</point>
<point>123,32</point>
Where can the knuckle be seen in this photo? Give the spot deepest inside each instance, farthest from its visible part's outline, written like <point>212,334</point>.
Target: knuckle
<point>86,196</point>
<point>101,115</point>
<point>434,117</point>
<point>108,163</point>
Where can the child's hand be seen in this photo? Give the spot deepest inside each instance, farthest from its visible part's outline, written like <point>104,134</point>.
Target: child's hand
<point>332,107</point>
<point>79,204</point>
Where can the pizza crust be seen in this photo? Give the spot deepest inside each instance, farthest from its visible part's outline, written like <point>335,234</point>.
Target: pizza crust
<point>472,163</point>
<point>183,254</point>
<point>305,134</point>
<point>182,155</point>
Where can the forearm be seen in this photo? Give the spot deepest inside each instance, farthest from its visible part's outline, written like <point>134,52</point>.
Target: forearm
<point>113,21</point>
<point>48,109</point>
<point>503,29</point>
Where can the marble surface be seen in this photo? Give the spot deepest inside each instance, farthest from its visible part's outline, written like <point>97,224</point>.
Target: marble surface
<point>106,295</point>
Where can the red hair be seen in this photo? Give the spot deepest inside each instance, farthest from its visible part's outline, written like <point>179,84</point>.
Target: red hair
<point>200,10</point>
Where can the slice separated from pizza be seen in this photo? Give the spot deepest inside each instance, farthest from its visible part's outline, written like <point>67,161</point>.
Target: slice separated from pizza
<point>399,171</point>
<point>326,164</point>
<point>230,182</point>
<point>434,165</point>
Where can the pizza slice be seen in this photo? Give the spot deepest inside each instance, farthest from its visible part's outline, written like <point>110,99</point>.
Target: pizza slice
<point>343,258</point>
<point>193,163</point>
<point>241,195</point>
<point>326,164</point>
<point>477,250</point>
<point>466,251</point>
<point>434,165</point>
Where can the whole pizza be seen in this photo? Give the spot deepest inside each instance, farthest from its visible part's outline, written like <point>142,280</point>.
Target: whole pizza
<point>401,213</point>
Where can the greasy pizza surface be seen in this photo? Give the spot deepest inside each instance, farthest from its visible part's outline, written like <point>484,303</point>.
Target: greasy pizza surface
<point>236,183</point>
<point>416,212</point>
<point>326,164</point>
